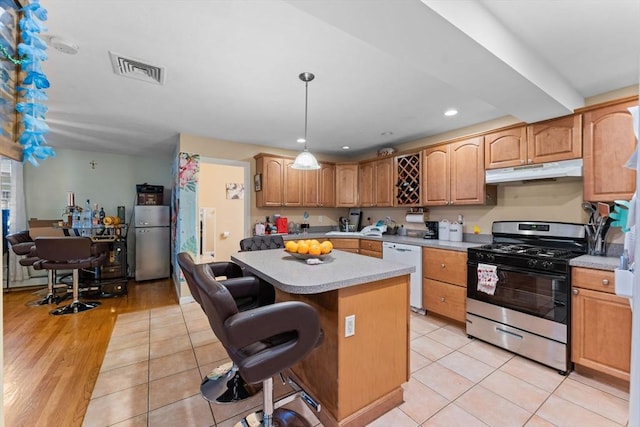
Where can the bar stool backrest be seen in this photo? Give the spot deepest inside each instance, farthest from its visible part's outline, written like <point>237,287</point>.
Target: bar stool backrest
<point>63,248</point>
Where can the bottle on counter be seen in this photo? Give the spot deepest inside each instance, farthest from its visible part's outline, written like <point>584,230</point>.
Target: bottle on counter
<point>95,215</point>
<point>87,222</point>
<point>101,216</point>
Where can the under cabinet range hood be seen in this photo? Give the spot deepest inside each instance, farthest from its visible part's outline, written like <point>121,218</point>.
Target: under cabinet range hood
<point>562,169</point>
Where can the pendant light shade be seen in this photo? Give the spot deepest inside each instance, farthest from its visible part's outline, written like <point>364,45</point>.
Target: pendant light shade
<point>305,160</point>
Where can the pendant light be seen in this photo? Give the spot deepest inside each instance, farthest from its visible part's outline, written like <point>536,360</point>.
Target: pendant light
<point>305,160</point>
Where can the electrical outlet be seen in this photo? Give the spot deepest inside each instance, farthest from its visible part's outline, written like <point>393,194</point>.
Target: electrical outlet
<point>320,218</point>
<point>350,325</point>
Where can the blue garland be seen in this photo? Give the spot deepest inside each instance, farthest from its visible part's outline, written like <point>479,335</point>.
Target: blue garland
<point>32,50</point>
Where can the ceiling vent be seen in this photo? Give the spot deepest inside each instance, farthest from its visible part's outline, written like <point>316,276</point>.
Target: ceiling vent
<point>136,69</point>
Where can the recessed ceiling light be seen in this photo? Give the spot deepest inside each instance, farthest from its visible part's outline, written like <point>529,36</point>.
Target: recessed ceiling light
<point>388,133</point>
<point>451,112</point>
<point>301,140</point>
<point>346,147</point>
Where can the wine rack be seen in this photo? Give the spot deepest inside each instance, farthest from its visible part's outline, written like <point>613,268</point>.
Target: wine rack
<point>408,182</point>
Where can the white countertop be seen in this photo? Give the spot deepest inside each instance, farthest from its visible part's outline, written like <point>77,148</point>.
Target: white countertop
<point>339,270</point>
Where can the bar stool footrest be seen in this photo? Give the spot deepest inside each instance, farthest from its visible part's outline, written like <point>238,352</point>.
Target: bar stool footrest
<point>75,307</point>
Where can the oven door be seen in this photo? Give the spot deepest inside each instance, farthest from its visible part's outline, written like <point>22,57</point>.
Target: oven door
<point>539,294</point>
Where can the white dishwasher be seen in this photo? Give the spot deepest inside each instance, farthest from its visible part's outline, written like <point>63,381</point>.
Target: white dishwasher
<point>411,255</point>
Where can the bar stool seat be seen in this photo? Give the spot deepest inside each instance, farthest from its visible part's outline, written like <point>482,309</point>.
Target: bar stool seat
<point>69,253</point>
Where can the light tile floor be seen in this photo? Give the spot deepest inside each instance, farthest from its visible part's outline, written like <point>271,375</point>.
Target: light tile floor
<point>151,375</point>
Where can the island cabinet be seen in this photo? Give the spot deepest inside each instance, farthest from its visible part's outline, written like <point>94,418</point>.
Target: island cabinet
<point>444,283</point>
<point>454,175</point>
<point>407,180</point>
<point>319,186</point>
<point>375,183</point>
<point>347,245</point>
<point>547,141</point>
<point>609,141</point>
<point>346,185</point>
<point>281,185</point>
<point>600,323</point>
<point>371,248</point>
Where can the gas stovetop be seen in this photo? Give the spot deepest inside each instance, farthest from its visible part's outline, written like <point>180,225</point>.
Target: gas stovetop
<point>529,250</point>
<point>532,245</point>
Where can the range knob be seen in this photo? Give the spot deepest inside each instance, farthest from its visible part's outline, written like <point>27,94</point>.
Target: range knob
<point>547,265</point>
<point>480,255</point>
<point>491,257</point>
<point>532,263</point>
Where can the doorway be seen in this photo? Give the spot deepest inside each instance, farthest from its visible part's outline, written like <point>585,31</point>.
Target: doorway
<point>223,188</point>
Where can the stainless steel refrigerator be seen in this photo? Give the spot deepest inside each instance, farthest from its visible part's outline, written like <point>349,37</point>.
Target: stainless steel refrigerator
<point>152,231</point>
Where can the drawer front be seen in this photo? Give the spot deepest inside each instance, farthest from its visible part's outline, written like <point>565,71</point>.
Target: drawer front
<point>374,254</point>
<point>597,280</point>
<point>345,243</point>
<point>445,299</point>
<point>371,245</point>
<point>445,266</point>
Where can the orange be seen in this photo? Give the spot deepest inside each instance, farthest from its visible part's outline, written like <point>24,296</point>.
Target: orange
<point>315,249</point>
<point>291,246</point>
<point>325,247</point>
<point>314,242</point>
<point>303,248</point>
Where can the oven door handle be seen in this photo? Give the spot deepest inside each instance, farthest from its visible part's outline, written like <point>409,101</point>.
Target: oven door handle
<point>526,272</point>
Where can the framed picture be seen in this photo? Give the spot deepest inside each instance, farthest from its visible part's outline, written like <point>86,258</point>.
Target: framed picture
<point>257,182</point>
<point>235,191</point>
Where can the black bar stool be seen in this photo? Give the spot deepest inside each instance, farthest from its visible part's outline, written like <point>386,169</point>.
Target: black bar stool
<point>69,253</point>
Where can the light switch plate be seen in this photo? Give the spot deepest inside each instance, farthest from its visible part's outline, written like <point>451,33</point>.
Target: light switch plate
<point>350,325</point>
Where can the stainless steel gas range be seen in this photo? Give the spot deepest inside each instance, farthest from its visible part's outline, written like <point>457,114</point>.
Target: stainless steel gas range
<point>518,289</point>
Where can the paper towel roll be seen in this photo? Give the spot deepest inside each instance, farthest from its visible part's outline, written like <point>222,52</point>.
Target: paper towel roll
<point>414,217</point>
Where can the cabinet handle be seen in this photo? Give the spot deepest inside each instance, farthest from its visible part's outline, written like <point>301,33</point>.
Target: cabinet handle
<point>522,161</point>
<point>442,265</point>
<point>575,291</point>
<point>605,282</point>
<point>530,161</point>
<point>441,299</point>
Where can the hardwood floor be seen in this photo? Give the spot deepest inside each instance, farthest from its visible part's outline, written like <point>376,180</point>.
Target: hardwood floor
<point>51,362</point>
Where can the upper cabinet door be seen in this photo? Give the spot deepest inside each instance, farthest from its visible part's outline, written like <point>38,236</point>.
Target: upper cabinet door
<point>346,185</point>
<point>366,184</point>
<point>467,173</point>
<point>609,141</point>
<point>555,140</point>
<point>292,193</point>
<point>436,171</point>
<point>383,175</point>
<point>327,185</point>
<point>311,187</point>
<point>505,149</point>
<point>272,170</point>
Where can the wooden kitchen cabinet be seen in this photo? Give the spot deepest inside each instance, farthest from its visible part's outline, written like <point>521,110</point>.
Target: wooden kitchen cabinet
<point>272,171</point>
<point>347,245</point>
<point>292,184</point>
<point>548,141</point>
<point>372,248</point>
<point>444,283</point>
<point>407,180</point>
<point>318,186</point>
<point>375,183</point>
<point>600,323</point>
<point>346,192</point>
<point>609,141</point>
<point>454,174</point>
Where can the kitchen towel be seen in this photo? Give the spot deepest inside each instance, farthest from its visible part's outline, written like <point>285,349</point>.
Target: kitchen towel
<point>487,278</point>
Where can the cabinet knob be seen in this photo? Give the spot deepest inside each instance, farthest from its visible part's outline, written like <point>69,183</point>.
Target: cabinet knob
<point>575,291</point>
<point>605,282</point>
<point>522,161</point>
<point>442,265</point>
<point>530,161</point>
<point>441,299</point>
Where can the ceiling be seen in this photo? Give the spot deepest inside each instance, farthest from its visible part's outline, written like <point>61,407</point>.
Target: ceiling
<point>386,70</point>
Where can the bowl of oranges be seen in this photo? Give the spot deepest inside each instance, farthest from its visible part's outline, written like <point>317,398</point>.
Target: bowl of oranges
<point>306,249</point>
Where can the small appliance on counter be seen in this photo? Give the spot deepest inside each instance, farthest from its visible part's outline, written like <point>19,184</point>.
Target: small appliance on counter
<point>355,218</point>
<point>432,230</point>
<point>282,225</point>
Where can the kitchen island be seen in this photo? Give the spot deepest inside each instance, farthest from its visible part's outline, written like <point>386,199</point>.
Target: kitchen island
<point>356,378</point>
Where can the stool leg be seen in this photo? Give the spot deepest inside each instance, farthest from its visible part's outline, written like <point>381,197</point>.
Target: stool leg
<point>50,298</point>
<point>76,306</point>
